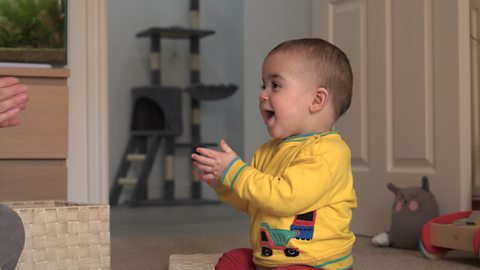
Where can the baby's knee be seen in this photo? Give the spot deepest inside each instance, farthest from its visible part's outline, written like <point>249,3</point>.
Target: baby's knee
<point>240,258</point>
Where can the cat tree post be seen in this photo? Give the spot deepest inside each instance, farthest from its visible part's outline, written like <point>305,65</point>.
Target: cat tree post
<point>169,154</point>
<point>196,186</point>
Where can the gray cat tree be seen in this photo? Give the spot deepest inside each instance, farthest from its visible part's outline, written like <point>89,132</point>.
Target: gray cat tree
<point>157,121</point>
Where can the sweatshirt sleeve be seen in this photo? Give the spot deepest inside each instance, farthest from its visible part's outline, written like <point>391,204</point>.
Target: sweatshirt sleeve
<point>229,197</point>
<point>306,183</point>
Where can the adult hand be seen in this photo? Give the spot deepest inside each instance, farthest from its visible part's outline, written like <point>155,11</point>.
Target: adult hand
<point>13,100</point>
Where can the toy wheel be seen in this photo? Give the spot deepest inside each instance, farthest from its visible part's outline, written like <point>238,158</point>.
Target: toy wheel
<point>431,255</point>
<point>267,252</point>
<point>290,252</point>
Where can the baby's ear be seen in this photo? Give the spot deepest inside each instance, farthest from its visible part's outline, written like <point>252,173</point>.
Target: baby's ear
<point>320,99</point>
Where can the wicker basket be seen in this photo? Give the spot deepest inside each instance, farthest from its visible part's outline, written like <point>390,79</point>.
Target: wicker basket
<point>64,235</point>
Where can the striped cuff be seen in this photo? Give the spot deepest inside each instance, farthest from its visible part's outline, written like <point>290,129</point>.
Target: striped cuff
<point>232,172</point>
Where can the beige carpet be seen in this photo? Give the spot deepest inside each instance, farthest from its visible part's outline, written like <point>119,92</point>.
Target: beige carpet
<point>147,253</point>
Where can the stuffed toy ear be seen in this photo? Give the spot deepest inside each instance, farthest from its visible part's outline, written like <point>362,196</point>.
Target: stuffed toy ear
<point>425,185</point>
<point>392,188</point>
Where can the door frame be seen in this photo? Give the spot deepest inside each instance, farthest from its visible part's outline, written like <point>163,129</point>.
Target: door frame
<point>88,179</point>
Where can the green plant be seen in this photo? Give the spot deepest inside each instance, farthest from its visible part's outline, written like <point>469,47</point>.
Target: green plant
<point>32,23</point>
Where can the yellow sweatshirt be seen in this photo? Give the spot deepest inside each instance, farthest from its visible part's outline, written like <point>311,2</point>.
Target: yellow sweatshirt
<point>298,193</point>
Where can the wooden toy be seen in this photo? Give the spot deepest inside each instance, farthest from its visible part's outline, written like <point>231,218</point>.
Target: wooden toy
<point>456,231</point>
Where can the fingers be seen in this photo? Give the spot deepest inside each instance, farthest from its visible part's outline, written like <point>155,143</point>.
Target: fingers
<point>206,152</point>
<point>9,91</point>
<point>197,174</point>
<point>10,123</point>
<point>8,81</point>
<point>9,118</point>
<point>225,147</point>
<point>203,159</point>
<point>212,163</point>
<point>206,177</point>
<point>204,168</point>
<point>212,153</point>
<point>12,99</point>
<point>21,106</point>
<point>202,176</point>
<point>9,115</point>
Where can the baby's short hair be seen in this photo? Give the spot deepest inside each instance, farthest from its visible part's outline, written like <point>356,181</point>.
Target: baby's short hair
<point>330,64</point>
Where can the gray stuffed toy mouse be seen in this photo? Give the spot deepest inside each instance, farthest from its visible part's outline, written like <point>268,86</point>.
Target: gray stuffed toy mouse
<point>412,208</point>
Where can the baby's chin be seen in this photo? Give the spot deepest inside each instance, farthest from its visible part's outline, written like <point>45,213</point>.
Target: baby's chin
<point>278,135</point>
<point>272,134</point>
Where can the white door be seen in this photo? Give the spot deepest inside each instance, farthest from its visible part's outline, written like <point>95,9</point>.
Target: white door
<point>410,114</point>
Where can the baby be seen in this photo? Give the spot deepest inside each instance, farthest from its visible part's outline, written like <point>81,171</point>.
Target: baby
<point>298,188</point>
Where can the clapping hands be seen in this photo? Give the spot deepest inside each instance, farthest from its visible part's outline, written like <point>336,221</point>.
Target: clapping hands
<point>211,164</point>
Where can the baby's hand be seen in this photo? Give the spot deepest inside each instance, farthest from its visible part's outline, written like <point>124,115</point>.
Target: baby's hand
<point>211,163</point>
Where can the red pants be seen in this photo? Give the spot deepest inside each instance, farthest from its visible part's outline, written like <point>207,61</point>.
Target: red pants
<point>241,259</point>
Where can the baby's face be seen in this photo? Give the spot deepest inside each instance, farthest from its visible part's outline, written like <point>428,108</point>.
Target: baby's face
<point>288,91</point>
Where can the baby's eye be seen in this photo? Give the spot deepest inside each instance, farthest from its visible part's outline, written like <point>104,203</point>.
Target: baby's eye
<point>275,85</point>
<point>262,87</point>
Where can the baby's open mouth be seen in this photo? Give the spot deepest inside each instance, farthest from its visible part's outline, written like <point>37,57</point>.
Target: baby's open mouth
<point>267,115</point>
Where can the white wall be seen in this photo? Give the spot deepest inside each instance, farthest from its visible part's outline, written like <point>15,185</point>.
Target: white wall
<point>221,62</point>
<point>245,31</point>
<point>266,23</point>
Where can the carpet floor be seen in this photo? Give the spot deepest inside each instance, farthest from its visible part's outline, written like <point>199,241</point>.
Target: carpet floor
<point>145,253</point>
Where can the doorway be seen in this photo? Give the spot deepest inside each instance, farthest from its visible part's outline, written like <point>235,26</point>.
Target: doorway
<point>411,114</point>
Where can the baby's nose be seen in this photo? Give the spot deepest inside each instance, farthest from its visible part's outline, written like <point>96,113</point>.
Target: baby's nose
<point>263,97</point>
